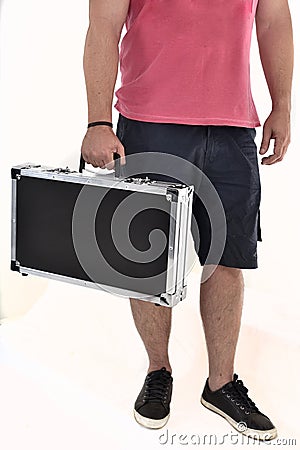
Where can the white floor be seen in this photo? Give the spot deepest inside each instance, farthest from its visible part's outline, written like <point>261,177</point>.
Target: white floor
<point>72,367</point>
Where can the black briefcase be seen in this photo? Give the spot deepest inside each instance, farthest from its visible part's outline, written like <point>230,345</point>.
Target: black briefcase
<point>127,236</point>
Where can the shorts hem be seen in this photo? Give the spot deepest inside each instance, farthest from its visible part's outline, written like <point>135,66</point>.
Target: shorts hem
<point>250,265</point>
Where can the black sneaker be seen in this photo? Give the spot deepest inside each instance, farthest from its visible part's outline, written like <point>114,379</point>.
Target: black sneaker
<point>232,402</point>
<point>152,406</point>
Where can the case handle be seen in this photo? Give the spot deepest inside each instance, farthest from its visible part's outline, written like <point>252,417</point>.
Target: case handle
<point>118,166</point>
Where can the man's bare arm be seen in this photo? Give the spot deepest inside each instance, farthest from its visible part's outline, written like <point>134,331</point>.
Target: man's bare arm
<point>100,63</point>
<point>101,55</point>
<point>275,40</point>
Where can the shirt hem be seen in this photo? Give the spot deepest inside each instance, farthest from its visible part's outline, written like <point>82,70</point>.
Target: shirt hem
<point>188,120</point>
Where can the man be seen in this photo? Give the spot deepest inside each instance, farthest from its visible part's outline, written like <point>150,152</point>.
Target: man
<point>186,85</point>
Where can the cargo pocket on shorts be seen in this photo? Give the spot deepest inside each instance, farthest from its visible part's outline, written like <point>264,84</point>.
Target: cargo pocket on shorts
<point>258,227</point>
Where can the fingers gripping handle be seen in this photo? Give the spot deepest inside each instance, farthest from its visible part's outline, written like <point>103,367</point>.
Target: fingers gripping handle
<point>118,166</point>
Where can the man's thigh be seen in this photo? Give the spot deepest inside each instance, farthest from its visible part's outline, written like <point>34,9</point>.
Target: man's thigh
<point>179,140</point>
<point>231,164</point>
<point>228,157</point>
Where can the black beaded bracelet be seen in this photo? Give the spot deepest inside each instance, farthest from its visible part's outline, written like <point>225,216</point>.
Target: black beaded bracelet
<point>94,124</point>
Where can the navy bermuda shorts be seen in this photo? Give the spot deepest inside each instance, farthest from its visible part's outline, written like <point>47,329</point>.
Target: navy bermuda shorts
<point>227,155</point>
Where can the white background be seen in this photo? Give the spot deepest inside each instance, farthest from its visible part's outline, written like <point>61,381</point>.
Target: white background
<point>43,120</point>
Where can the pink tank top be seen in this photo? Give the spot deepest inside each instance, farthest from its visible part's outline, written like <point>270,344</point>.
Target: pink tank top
<point>187,61</point>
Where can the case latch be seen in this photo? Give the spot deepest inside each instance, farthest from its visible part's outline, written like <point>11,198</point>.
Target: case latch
<point>60,170</point>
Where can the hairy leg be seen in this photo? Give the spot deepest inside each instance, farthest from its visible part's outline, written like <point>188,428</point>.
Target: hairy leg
<point>153,324</point>
<point>221,301</point>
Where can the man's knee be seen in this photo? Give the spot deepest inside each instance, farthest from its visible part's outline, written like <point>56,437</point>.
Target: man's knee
<point>235,271</point>
<point>222,271</point>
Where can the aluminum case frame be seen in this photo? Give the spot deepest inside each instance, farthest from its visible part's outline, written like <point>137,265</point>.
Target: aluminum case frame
<point>179,195</point>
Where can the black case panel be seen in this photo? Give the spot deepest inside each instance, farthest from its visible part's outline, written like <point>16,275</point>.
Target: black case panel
<point>44,234</point>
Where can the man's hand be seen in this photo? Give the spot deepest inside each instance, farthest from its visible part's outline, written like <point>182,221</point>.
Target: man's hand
<point>277,126</point>
<point>98,147</point>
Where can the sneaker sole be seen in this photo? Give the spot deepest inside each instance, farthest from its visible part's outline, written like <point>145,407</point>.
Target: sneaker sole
<point>150,423</point>
<point>264,435</point>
